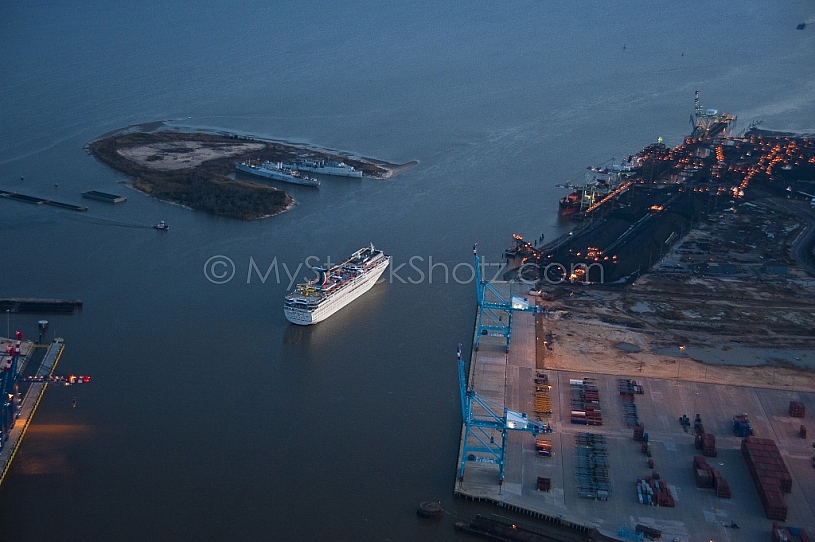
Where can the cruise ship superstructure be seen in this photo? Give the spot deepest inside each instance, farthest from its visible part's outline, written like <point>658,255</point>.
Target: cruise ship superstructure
<point>335,287</point>
<point>331,167</point>
<point>278,172</point>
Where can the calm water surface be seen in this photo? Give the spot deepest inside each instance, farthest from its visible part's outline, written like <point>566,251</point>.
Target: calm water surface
<point>209,417</point>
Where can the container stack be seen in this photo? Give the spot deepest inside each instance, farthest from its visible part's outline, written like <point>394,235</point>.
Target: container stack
<point>706,476</point>
<point>584,398</point>
<point>654,492</point>
<point>721,486</point>
<point>639,432</point>
<point>591,397</point>
<point>707,443</point>
<point>702,472</point>
<point>646,446</point>
<point>544,484</point>
<point>769,473</point>
<point>627,389</point>
<point>628,386</point>
<point>591,461</point>
<point>789,534</point>
<point>741,426</point>
<point>797,409</point>
<point>698,428</point>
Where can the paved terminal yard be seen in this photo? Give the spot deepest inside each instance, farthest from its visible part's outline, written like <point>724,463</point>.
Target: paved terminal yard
<point>698,513</point>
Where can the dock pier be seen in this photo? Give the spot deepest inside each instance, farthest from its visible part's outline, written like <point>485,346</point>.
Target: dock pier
<point>29,401</point>
<point>501,377</point>
<point>509,379</point>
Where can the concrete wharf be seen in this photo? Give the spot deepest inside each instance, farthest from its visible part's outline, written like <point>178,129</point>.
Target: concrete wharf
<point>509,379</point>
<point>30,400</point>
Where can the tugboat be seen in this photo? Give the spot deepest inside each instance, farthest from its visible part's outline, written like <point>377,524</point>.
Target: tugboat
<point>162,226</point>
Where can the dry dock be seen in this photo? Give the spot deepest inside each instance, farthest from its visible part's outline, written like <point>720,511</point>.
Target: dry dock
<point>30,400</point>
<point>698,513</point>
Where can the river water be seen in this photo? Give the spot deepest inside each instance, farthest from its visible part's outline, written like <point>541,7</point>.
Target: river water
<point>209,416</point>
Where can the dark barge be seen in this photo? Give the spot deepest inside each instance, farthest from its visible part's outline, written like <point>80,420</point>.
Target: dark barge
<point>103,196</point>
<point>40,201</point>
<point>39,306</point>
<point>503,529</point>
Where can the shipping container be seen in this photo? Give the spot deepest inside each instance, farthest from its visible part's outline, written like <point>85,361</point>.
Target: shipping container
<point>789,534</point>
<point>797,409</point>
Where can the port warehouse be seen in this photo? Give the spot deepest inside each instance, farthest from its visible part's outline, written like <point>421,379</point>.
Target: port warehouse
<point>672,452</point>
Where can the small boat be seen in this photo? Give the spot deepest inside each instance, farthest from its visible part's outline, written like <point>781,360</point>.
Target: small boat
<point>162,226</point>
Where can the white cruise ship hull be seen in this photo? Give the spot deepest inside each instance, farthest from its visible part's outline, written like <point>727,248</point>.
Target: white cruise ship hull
<point>333,303</point>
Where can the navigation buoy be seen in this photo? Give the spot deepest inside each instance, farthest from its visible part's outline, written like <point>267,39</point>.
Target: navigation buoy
<point>430,509</point>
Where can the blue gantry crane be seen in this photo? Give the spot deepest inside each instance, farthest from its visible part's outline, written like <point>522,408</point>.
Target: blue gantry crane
<point>492,301</point>
<point>9,391</point>
<point>485,431</point>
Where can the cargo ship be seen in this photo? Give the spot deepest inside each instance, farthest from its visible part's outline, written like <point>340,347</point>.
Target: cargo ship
<point>331,167</point>
<point>276,171</point>
<point>570,203</point>
<point>335,287</point>
<point>599,183</point>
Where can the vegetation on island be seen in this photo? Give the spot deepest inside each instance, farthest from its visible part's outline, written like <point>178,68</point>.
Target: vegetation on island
<point>204,187</point>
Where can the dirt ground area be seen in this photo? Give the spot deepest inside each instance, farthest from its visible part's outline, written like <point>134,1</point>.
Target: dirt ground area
<point>731,303</point>
<point>175,155</point>
<point>698,329</point>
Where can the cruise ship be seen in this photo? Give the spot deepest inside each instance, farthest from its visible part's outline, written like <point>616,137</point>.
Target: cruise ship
<point>331,167</point>
<point>334,288</point>
<point>276,171</point>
